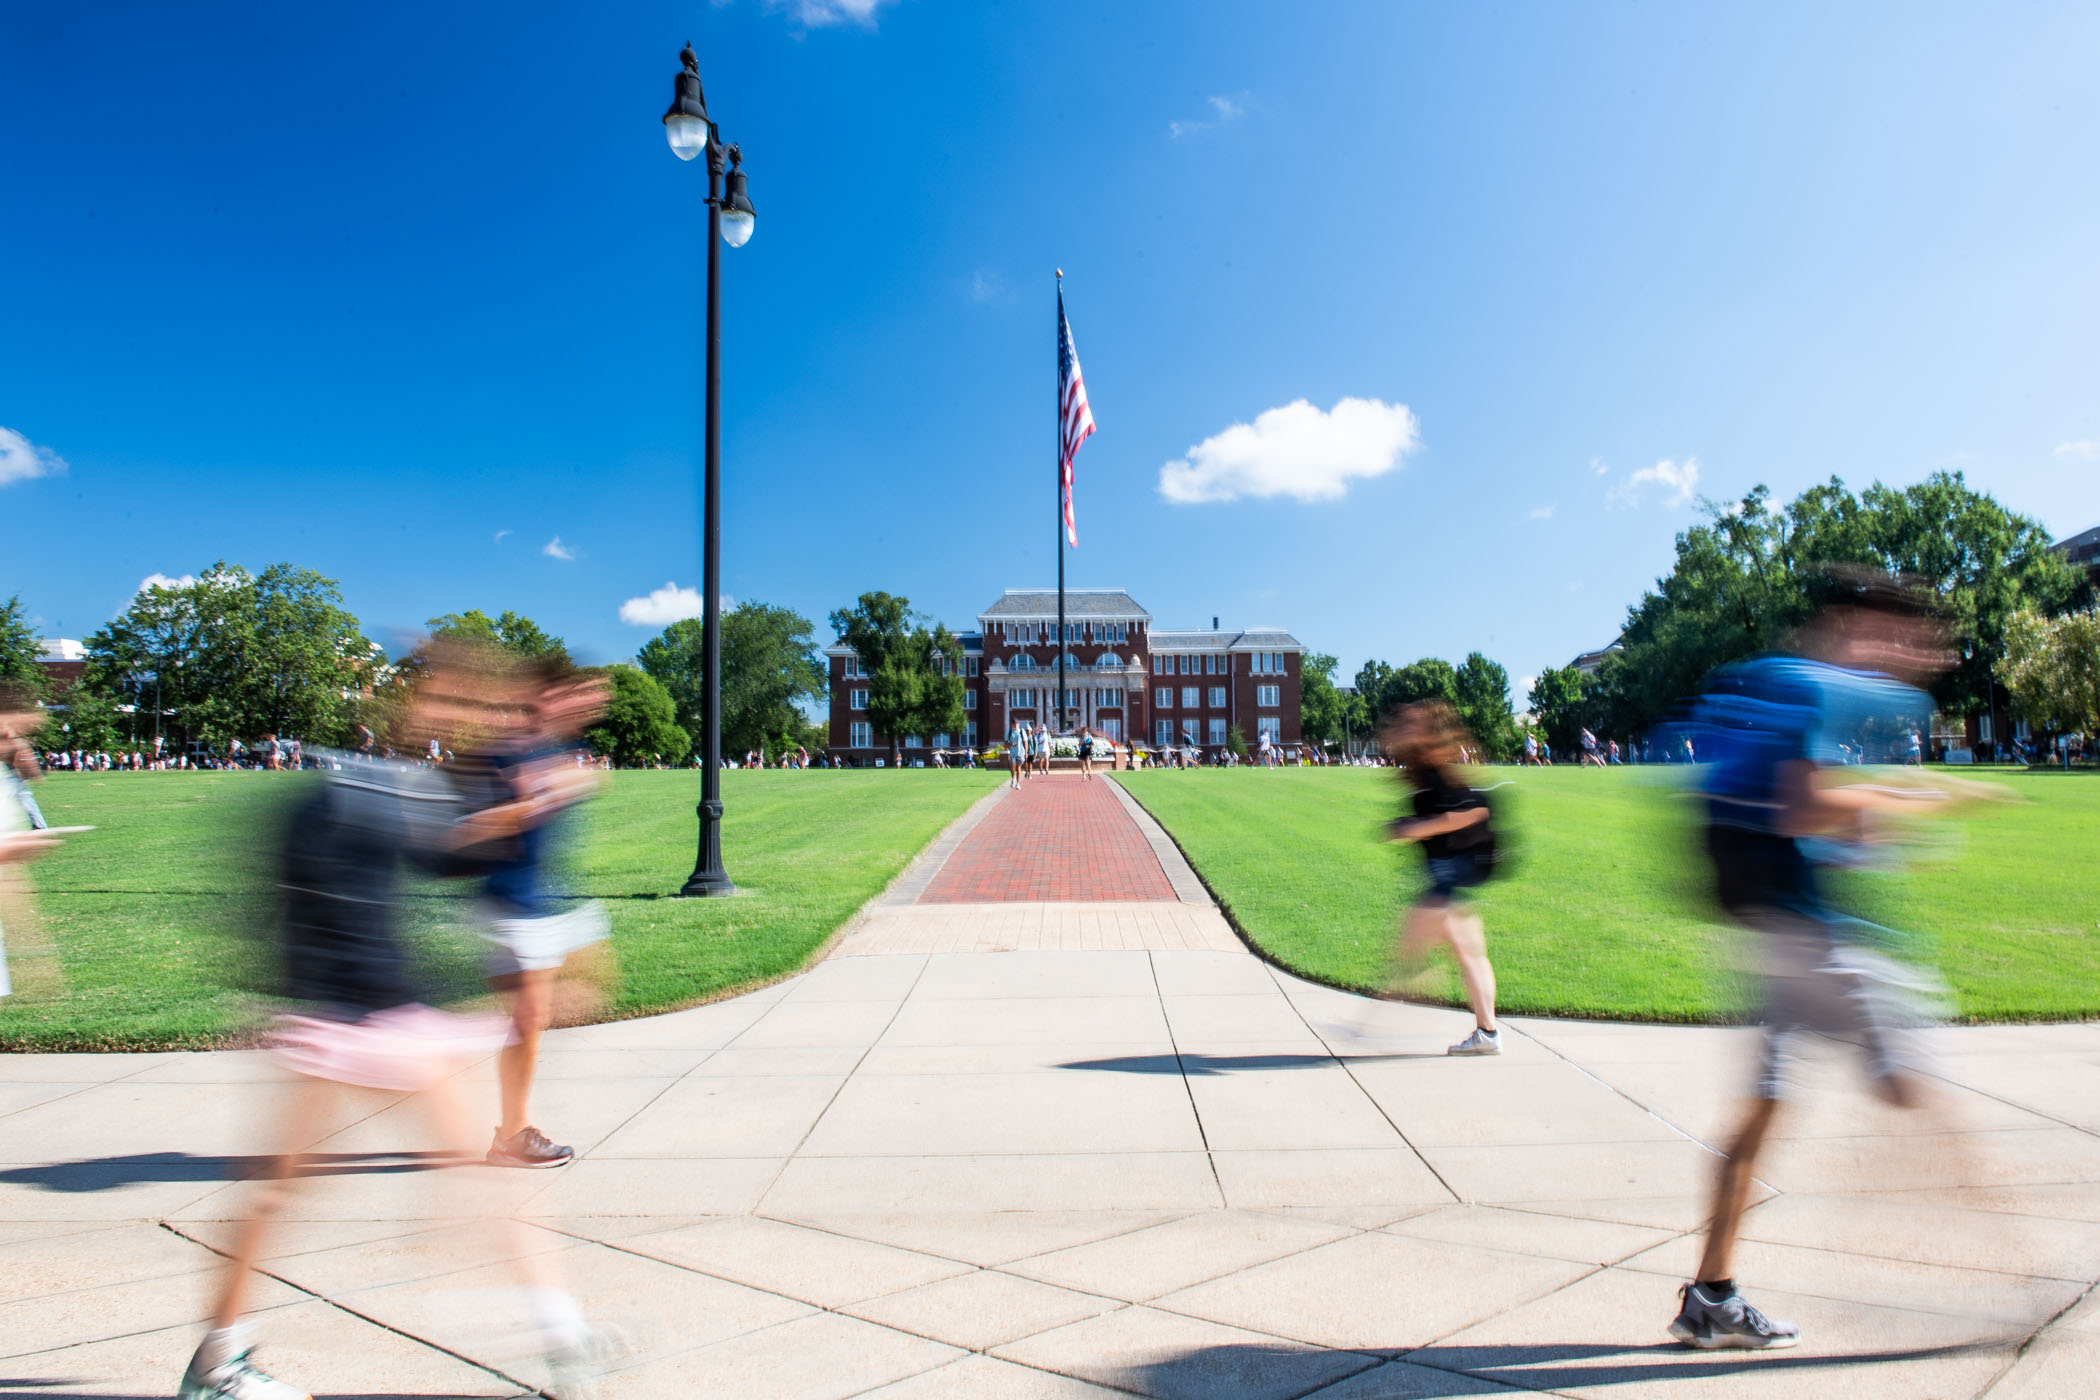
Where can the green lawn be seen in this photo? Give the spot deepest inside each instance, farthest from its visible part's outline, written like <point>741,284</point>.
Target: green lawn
<point>1603,911</point>
<point>157,915</point>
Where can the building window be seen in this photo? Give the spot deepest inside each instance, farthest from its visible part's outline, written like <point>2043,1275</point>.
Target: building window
<point>969,699</point>
<point>1182,664</point>
<point>1217,697</point>
<point>1268,663</point>
<point>914,742</point>
<point>1268,695</point>
<point>940,740</point>
<point>970,666</point>
<point>1190,697</point>
<point>1163,731</point>
<point>1217,732</point>
<point>1191,731</point>
<point>1159,665</point>
<point>1023,662</point>
<point>857,700</point>
<point>850,667</point>
<point>1163,698</point>
<point>1272,727</point>
<point>1210,665</point>
<point>861,736</point>
<point>970,734</point>
<point>1024,698</point>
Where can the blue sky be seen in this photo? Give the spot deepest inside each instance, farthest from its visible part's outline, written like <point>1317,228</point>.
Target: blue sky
<point>406,294</point>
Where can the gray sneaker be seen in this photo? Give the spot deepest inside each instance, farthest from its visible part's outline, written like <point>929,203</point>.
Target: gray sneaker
<point>1480,1042</point>
<point>1728,1321</point>
<point>235,1378</point>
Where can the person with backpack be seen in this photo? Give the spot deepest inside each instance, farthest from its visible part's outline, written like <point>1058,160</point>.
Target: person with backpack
<point>356,1016</point>
<point>1452,823</point>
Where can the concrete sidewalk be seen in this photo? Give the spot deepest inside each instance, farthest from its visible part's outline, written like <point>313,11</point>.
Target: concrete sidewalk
<point>1150,1165</point>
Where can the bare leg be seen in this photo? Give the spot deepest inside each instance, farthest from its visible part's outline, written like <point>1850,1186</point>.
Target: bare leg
<point>302,1125</point>
<point>1469,946</point>
<point>1732,1191</point>
<point>530,998</point>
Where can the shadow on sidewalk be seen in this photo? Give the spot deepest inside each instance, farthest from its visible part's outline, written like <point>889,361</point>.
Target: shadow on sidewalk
<point>1225,1064</point>
<point>1210,1373</point>
<point>111,1173</point>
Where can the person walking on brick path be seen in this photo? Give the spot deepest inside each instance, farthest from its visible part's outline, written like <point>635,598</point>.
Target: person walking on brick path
<point>1017,752</point>
<point>1042,749</point>
<point>1776,809</point>
<point>1086,752</point>
<point>360,1021</point>
<point>1453,824</point>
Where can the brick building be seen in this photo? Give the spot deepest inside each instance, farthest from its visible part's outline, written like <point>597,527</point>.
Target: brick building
<point>1123,678</point>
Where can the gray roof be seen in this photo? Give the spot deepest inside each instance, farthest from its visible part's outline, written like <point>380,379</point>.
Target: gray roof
<point>2080,546</point>
<point>1253,639</point>
<point>1034,603</point>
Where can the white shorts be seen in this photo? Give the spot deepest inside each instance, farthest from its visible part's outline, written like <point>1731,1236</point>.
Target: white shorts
<point>534,945</point>
<point>1841,992</point>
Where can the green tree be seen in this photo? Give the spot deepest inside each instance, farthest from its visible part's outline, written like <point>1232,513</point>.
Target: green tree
<point>914,672</point>
<point>1431,678</point>
<point>640,724</point>
<point>1750,574</point>
<point>1557,704</point>
<point>20,675</point>
<point>230,655</point>
<point>770,667</point>
<point>2052,669</point>
<point>1373,679</point>
<point>1321,707</point>
<point>513,632</point>
<point>86,720</point>
<point>1482,701</point>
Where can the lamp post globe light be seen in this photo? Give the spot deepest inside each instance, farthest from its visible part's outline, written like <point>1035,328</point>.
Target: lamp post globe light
<point>730,220</point>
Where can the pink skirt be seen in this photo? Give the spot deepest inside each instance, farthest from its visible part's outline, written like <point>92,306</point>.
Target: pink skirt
<point>402,1049</point>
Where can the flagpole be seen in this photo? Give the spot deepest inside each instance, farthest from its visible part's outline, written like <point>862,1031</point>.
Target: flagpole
<point>1060,507</point>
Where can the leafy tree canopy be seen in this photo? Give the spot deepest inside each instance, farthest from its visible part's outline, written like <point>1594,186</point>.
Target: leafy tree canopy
<point>2052,669</point>
<point>914,672</point>
<point>20,675</point>
<point>1322,709</point>
<point>234,655</point>
<point>769,667</point>
<point>640,724</point>
<point>513,632</point>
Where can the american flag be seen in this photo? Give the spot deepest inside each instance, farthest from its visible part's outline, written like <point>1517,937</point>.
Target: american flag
<point>1075,420</point>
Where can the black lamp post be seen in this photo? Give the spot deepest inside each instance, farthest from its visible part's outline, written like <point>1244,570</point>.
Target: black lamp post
<point>730,218</point>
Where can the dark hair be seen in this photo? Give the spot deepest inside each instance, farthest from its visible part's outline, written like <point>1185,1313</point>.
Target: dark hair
<point>1874,589</point>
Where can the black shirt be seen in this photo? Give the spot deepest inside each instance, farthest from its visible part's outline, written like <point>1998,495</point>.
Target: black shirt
<point>1439,795</point>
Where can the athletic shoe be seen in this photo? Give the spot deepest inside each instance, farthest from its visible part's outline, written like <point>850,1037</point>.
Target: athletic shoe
<point>1480,1042</point>
<point>528,1147</point>
<point>235,1379</point>
<point>1727,1321</point>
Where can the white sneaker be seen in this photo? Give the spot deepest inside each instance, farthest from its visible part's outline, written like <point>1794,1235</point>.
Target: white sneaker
<point>235,1378</point>
<point>1480,1042</point>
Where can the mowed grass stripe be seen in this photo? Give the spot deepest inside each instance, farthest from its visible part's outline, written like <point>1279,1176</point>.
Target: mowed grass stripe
<point>1603,911</point>
<point>159,917</point>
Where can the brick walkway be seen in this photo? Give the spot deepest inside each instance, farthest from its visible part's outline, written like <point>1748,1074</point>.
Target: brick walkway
<point>1061,839</point>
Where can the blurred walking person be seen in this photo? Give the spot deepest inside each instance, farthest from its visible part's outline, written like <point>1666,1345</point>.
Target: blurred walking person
<point>531,930</point>
<point>1778,805</point>
<point>1017,752</point>
<point>1452,823</point>
<point>360,1021</point>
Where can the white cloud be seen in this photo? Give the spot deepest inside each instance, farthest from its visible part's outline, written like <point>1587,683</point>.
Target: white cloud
<point>499,535</point>
<point>986,285</point>
<point>1597,467</point>
<point>1225,109</point>
<point>163,581</point>
<point>1543,512</point>
<point>2083,447</point>
<point>1679,479</point>
<point>1524,687</point>
<point>1296,450</point>
<point>23,460</point>
<point>821,14</point>
<point>663,606</point>
<point>555,549</point>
